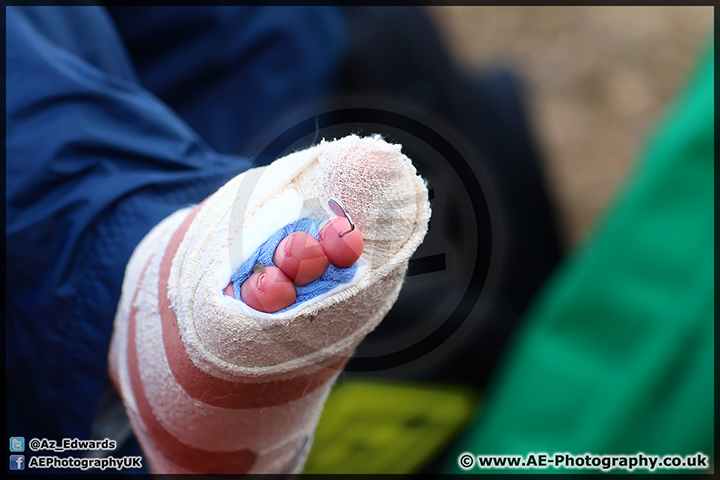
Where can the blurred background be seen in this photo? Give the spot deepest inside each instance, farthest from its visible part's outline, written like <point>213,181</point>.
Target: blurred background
<point>597,79</point>
<point>527,122</point>
<point>557,104</point>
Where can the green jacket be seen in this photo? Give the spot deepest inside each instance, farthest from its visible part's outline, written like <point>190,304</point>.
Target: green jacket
<point>616,356</point>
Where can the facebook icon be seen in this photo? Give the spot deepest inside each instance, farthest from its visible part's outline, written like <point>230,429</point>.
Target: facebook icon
<point>17,462</point>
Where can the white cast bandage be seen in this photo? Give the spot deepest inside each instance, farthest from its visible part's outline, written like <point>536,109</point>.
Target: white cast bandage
<point>213,386</point>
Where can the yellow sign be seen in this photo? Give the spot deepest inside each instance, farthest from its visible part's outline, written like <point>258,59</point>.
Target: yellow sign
<point>372,426</point>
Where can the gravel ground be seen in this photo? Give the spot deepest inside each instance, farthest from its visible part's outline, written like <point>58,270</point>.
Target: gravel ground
<point>597,78</point>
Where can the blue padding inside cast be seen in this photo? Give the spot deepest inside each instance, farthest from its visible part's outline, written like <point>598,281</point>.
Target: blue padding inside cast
<point>332,277</point>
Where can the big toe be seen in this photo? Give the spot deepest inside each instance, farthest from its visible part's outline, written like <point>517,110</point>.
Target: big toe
<point>380,188</point>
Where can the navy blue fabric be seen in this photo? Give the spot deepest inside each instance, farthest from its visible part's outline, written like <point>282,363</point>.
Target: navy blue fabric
<point>95,160</point>
<point>331,277</point>
<point>213,66</point>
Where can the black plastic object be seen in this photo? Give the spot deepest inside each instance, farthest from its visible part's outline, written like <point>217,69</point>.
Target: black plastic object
<point>506,229</point>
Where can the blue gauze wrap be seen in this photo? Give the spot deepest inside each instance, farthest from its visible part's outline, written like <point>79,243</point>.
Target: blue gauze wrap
<point>332,277</point>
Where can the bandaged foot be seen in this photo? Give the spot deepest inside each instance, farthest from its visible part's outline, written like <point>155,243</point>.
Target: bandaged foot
<point>212,384</point>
